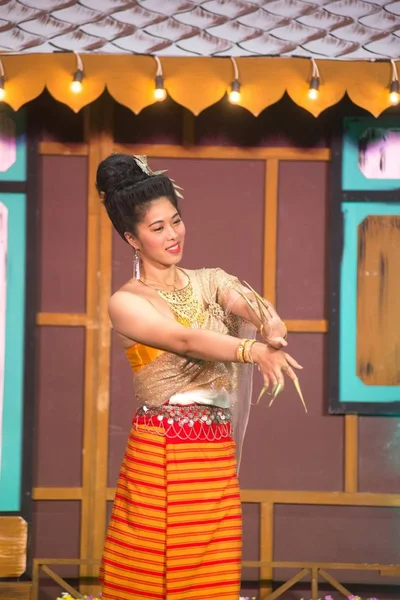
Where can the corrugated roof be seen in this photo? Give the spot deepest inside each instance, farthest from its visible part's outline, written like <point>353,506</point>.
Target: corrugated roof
<point>339,29</point>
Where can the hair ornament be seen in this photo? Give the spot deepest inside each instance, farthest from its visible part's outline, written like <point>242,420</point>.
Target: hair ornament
<point>141,162</point>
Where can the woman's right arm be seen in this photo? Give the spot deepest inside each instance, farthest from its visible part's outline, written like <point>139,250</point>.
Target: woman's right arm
<point>136,318</point>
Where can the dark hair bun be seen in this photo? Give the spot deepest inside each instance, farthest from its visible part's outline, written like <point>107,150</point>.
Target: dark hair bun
<point>127,187</point>
<point>118,172</point>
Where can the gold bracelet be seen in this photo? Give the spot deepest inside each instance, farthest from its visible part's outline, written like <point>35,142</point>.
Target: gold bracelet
<point>240,351</point>
<point>243,351</point>
<point>247,351</point>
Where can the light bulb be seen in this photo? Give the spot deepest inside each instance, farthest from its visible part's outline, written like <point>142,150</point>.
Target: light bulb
<point>160,93</point>
<point>76,84</point>
<point>394,92</point>
<point>76,87</point>
<point>313,90</point>
<point>234,94</point>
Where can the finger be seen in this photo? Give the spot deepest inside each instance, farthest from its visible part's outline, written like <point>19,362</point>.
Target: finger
<point>277,390</point>
<point>280,379</point>
<point>300,393</point>
<point>260,395</point>
<point>292,362</point>
<point>289,372</point>
<point>277,342</point>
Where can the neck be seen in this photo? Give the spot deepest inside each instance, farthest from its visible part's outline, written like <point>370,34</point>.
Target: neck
<point>164,277</point>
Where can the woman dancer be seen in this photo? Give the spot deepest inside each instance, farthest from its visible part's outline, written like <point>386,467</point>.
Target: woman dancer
<point>175,529</point>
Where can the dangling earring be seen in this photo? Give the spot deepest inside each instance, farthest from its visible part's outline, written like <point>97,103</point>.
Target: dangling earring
<point>136,264</point>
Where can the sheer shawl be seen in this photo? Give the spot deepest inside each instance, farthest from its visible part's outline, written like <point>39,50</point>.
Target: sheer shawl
<point>224,289</point>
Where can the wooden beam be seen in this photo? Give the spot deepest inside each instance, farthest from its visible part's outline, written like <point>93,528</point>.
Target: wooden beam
<point>270,228</point>
<point>61,319</point>
<point>110,493</point>
<point>53,493</point>
<point>314,583</point>
<point>63,149</point>
<point>283,564</point>
<point>266,545</point>
<point>334,583</point>
<point>61,582</point>
<point>92,123</point>
<point>307,326</point>
<point>320,498</point>
<point>105,146</point>
<point>310,497</point>
<point>287,585</point>
<point>98,132</point>
<point>351,453</point>
<point>225,152</point>
<point>15,590</point>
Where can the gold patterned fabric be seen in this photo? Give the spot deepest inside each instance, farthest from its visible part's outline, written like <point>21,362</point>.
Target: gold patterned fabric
<point>203,303</point>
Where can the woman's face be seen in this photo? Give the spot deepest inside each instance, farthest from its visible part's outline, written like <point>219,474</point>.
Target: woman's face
<point>161,234</point>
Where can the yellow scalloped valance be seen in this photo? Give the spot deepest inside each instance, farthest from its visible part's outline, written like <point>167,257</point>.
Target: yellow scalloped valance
<point>195,83</point>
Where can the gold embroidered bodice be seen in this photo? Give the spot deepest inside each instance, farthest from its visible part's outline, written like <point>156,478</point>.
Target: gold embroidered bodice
<point>202,303</point>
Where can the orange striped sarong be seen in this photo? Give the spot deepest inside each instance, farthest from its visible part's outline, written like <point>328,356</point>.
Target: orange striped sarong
<point>175,530</point>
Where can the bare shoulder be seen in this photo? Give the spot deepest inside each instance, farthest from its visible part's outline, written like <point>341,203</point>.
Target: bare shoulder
<point>131,301</point>
<point>132,294</point>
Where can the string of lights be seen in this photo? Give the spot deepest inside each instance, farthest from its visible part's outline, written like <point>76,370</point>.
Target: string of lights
<point>234,92</point>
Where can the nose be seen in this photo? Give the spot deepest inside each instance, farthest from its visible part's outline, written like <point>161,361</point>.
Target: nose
<point>172,234</point>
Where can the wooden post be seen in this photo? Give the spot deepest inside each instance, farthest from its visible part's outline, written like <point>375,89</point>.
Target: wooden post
<point>270,228</point>
<point>266,546</point>
<point>351,453</point>
<point>98,133</point>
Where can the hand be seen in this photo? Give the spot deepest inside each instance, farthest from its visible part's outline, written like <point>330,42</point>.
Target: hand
<point>274,365</point>
<point>274,331</point>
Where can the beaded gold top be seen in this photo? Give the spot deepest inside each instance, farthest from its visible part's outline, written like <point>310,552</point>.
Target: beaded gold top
<point>185,305</point>
<point>203,303</point>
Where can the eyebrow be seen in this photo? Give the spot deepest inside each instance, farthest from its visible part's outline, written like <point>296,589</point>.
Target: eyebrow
<point>161,220</point>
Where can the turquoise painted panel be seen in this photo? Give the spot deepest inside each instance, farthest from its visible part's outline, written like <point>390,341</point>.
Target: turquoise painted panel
<point>351,388</point>
<point>352,176</point>
<point>12,145</point>
<point>12,433</point>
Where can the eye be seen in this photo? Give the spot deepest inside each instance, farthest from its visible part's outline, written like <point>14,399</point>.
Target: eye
<point>158,229</point>
<point>177,221</point>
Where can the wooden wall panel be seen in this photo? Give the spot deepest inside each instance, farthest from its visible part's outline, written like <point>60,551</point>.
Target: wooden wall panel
<point>379,454</point>
<point>301,247</point>
<point>63,233</point>
<point>56,526</point>
<point>285,449</point>
<point>56,531</point>
<point>345,534</point>
<point>251,538</point>
<point>378,325</point>
<point>59,406</point>
<point>223,210</point>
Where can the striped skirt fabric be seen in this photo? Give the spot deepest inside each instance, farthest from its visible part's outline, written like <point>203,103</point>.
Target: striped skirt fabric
<point>175,528</point>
